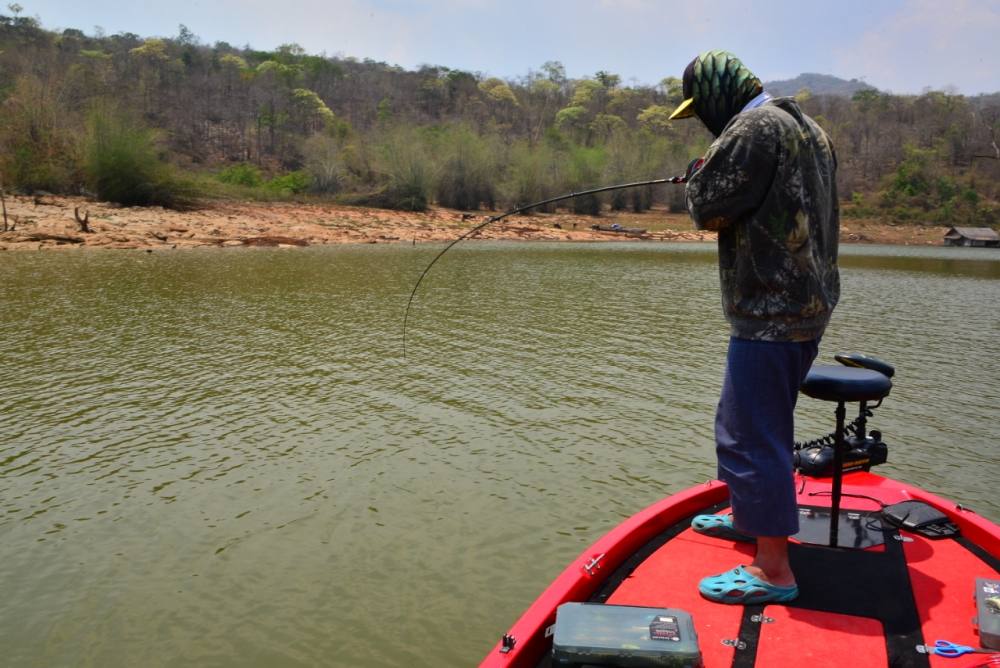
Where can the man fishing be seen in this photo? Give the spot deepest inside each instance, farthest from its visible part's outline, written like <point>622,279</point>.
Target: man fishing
<point>767,185</point>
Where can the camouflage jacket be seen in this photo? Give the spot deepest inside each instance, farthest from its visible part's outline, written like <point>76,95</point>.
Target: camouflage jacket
<point>768,186</point>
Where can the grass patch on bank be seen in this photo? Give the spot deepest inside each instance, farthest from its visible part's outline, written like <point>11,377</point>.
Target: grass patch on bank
<point>245,181</point>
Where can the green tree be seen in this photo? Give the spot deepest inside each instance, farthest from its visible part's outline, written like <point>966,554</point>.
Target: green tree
<point>656,118</point>
<point>123,164</point>
<point>467,169</point>
<point>37,146</point>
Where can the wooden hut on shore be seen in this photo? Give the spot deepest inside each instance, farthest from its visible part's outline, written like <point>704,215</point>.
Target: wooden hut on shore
<point>971,236</point>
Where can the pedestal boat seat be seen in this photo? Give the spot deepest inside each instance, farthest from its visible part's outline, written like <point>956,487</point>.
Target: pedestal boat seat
<point>843,384</point>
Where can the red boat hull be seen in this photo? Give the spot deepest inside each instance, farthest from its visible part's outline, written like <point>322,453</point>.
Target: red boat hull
<point>941,575</point>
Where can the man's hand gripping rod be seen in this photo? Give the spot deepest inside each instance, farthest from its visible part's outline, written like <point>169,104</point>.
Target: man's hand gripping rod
<point>521,209</point>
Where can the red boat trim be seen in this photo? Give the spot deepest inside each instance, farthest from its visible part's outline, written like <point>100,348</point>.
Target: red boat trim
<point>575,584</point>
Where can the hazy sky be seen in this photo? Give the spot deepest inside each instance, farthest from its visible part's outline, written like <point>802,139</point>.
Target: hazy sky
<point>898,45</point>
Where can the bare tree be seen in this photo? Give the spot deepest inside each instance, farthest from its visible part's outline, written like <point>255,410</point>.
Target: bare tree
<point>84,222</point>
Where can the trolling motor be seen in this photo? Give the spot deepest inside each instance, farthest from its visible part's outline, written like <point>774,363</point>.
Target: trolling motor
<point>863,452</point>
<point>862,449</point>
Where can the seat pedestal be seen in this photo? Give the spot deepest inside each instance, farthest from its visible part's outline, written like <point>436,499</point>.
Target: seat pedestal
<point>843,384</point>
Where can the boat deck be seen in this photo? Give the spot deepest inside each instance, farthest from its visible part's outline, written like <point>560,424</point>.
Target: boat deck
<point>868,606</point>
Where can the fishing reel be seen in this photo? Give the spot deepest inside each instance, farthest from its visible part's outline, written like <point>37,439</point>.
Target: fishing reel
<point>862,449</point>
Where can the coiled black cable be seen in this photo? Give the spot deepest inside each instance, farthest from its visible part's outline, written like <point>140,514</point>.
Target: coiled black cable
<point>849,430</point>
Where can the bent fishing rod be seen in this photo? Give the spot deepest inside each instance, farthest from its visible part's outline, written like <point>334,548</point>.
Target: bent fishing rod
<point>522,209</point>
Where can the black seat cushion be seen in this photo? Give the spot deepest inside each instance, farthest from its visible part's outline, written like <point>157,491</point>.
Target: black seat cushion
<point>866,362</point>
<point>841,383</point>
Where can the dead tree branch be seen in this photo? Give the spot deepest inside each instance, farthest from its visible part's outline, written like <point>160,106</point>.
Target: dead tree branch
<point>3,202</point>
<point>82,222</point>
<point>58,238</point>
<point>996,150</point>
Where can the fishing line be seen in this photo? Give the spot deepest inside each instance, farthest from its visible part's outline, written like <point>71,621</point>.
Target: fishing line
<point>521,209</point>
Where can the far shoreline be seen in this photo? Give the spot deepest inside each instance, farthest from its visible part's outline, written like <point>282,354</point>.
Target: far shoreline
<point>44,223</point>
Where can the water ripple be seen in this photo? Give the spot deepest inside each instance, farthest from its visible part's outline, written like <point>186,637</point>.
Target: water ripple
<point>221,458</point>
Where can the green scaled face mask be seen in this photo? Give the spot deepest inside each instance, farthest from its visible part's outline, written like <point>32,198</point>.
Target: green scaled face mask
<point>716,87</point>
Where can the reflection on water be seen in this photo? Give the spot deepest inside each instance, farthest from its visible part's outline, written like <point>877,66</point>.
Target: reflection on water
<point>953,262</point>
<point>220,458</point>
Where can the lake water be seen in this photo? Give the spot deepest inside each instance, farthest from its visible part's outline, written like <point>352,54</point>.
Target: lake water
<point>220,458</point>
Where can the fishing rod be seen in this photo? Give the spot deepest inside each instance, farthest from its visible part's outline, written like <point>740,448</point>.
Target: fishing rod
<point>521,209</point>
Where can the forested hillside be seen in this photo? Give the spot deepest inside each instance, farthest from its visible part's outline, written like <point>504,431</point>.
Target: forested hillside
<point>164,120</point>
<point>817,84</point>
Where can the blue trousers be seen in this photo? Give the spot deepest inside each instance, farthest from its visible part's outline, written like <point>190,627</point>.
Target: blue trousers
<point>755,432</point>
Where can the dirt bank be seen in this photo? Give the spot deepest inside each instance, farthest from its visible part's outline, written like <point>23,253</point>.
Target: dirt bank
<point>49,222</point>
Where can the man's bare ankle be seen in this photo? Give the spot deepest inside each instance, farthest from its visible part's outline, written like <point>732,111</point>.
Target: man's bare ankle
<point>782,577</point>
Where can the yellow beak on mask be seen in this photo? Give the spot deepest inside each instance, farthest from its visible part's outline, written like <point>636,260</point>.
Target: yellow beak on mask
<point>684,110</point>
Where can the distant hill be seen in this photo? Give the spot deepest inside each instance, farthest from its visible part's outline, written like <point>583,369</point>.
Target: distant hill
<point>818,84</point>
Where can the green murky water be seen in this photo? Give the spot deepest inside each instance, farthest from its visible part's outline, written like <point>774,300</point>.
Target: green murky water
<point>221,459</point>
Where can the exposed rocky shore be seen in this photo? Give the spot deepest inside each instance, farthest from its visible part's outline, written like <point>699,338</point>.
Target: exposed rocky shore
<point>52,223</point>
